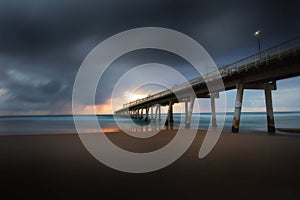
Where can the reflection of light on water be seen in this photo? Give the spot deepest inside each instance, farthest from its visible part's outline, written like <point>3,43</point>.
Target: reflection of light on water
<point>104,130</point>
<point>152,128</point>
<point>145,129</point>
<point>110,129</point>
<point>135,129</point>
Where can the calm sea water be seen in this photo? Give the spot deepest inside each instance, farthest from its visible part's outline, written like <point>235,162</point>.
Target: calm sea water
<point>31,125</point>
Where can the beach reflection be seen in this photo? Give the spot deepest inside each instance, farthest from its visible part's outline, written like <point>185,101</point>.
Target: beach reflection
<point>110,129</point>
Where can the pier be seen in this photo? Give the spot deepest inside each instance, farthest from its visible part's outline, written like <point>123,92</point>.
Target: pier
<point>259,71</point>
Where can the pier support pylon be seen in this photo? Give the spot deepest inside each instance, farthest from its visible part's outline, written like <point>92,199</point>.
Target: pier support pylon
<point>170,113</point>
<point>159,112</point>
<point>213,111</point>
<point>136,116</point>
<point>269,108</point>
<point>142,113</point>
<point>151,112</point>
<point>186,103</point>
<point>156,111</point>
<point>189,111</point>
<point>147,114</point>
<point>238,108</point>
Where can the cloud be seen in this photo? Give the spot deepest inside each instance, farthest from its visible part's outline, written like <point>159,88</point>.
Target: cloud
<point>98,109</point>
<point>44,42</point>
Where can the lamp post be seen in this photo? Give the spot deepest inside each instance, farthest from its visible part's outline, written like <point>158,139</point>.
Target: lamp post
<point>257,34</point>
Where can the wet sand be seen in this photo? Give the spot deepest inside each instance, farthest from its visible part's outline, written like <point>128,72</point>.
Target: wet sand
<point>289,130</point>
<point>241,166</point>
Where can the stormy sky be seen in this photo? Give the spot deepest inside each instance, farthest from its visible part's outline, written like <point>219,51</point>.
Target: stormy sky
<point>43,43</point>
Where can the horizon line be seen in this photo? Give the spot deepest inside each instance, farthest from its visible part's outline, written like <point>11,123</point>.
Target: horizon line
<point>61,115</point>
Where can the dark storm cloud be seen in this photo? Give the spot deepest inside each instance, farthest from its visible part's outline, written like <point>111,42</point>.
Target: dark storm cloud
<point>42,26</point>
<point>42,43</point>
<point>31,91</point>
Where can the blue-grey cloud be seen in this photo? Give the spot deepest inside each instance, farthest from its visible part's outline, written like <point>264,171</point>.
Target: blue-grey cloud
<point>44,42</point>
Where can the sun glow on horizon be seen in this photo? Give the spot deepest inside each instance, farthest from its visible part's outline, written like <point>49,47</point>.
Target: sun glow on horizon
<point>133,96</point>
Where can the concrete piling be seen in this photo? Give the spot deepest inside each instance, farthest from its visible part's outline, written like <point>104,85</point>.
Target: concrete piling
<point>269,108</point>
<point>238,108</point>
<point>189,112</point>
<point>213,112</point>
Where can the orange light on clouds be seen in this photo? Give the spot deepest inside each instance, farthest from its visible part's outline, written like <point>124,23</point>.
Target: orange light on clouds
<point>98,109</point>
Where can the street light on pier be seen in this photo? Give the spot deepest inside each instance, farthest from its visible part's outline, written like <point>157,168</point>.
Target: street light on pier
<point>257,34</point>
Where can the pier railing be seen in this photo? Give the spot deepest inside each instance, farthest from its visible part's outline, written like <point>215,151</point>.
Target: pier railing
<point>276,52</point>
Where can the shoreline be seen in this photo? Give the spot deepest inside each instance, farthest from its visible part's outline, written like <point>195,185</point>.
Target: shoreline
<point>289,130</point>
<point>285,132</point>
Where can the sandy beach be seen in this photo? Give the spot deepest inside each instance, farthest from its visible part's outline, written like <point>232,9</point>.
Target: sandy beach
<point>241,166</point>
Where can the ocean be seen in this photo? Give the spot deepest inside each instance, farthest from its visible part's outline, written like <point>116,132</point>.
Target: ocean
<point>254,122</point>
